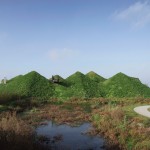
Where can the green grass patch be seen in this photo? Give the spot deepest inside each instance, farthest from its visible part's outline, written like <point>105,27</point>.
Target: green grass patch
<point>86,107</point>
<point>81,86</point>
<point>77,85</point>
<point>29,85</point>
<point>95,77</point>
<point>3,108</point>
<point>121,85</point>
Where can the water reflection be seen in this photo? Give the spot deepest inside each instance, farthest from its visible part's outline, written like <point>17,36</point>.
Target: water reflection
<point>64,137</point>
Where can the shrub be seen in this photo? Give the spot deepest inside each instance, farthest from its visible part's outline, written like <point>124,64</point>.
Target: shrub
<point>16,134</point>
<point>7,97</point>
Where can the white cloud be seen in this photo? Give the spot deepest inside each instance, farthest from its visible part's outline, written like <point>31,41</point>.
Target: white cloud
<point>61,54</point>
<point>137,15</point>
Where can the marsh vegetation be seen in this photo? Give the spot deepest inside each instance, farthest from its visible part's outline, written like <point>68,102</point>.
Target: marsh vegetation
<point>29,101</point>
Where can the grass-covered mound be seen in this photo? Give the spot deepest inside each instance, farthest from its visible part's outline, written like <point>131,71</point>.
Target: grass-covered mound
<point>82,86</point>
<point>95,77</point>
<point>77,85</point>
<point>29,85</point>
<point>62,92</point>
<point>61,87</point>
<point>15,78</point>
<point>121,85</point>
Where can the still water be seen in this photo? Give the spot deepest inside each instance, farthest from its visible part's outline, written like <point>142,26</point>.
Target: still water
<point>64,137</point>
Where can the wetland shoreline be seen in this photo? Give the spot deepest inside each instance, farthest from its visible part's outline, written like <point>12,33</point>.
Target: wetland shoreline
<point>114,120</point>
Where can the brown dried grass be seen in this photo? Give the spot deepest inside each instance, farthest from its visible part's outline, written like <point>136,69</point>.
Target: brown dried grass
<point>16,134</point>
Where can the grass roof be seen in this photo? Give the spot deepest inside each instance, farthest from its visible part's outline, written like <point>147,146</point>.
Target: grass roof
<point>77,85</point>
<point>121,85</point>
<point>82,86</point>
<point>95,77</point>
<point>30,85</point>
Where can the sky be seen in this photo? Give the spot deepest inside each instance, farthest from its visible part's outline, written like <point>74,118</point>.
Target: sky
<point>65,36</point>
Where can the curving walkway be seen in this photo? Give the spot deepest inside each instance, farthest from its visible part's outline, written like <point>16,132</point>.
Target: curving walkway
<point>143,110</point>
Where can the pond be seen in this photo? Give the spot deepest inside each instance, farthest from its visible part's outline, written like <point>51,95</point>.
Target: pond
<point>64,137</point>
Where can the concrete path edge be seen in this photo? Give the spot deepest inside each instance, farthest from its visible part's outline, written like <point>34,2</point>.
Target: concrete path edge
<point>143,110</point>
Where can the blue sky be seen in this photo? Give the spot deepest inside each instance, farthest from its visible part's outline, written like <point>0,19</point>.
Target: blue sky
<point>65,36</point>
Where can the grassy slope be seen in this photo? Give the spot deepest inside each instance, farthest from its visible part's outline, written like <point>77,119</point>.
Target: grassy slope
<point>61,88</point>
<point>99,80</point>
<point>95,77</point>
<point>82,86</point>
<point>31,84</point>
<point>77,85</point>
<point>121,85</point>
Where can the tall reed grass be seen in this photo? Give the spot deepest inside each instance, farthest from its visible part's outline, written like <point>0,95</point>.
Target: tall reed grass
<point>15,134</point>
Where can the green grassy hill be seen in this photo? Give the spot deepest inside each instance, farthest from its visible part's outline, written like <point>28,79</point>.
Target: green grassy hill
<point>82,86</point>
<point>121,85</point>
<point>29,85</point>
<point>95,77</point>
<point>61,88</point>
<point>77,85</point>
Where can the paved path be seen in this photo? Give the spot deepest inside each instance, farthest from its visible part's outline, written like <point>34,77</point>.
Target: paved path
<point>143,110</point>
